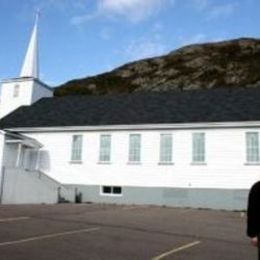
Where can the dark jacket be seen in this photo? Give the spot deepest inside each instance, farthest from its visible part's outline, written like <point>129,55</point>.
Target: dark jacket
<point>253,211</point>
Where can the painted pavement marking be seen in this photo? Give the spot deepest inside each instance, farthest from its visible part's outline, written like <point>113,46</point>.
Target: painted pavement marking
<point>175,250</point>
<point>132,207</point>
<point>49,236</point>
<point>13,219</point>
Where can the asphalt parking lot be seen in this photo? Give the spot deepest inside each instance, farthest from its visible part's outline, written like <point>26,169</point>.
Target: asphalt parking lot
<point>90,231</point>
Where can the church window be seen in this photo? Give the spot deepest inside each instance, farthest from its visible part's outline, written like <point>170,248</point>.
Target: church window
<point>105,148</point>
<point>76,151</point>
<point>252,147</point>
<point>166,148</point>
<point>134,148</point>
<point>198,147</point>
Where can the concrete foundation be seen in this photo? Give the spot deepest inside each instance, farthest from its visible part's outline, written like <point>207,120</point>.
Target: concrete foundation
<point>176,197</point>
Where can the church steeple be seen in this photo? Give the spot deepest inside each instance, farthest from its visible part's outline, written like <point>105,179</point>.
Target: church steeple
<point>27,89</point>
<point>30,65</point>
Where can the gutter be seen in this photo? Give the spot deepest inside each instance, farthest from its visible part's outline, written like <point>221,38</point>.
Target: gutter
<point>178,126</point>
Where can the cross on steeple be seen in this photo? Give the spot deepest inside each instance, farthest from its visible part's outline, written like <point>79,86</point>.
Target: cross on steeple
<point>30,65</point>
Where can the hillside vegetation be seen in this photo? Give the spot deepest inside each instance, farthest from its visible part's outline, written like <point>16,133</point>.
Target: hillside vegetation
<point>234,63</point>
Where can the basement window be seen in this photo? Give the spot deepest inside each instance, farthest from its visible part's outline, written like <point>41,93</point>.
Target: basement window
<point>111,190</point>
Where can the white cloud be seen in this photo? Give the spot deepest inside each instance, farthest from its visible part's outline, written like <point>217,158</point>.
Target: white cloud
<point>213,10</point>
<point>157,27</point>
<point>132,10</point>
<point>77,20</point>
<point>105,33</point>
<point>144,48</point>
<point>200,38</point>
<point>222,10</point>
<point>200,4</point>
<point>197,38</point>
<point>60,5</point>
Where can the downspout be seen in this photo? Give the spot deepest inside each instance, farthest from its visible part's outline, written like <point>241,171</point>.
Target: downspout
<point>2,168</point>
<point>2,180</point>
<point>18,158</point>
<point>37,164</point>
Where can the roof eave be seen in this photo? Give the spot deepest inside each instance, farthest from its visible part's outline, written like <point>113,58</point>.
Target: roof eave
<point>201,125</point>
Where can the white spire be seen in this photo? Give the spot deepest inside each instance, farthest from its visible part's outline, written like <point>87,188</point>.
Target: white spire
<point>30,64</point>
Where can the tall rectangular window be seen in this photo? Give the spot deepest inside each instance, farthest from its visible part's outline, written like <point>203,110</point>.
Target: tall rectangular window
<point>76,151</point>
<point>134,148</point>
<point>166,148</point>
<point>198,147</point>
<point>252,147</point>
<point>105,148</point>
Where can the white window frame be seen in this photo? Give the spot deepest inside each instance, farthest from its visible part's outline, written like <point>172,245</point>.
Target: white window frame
<point>105,151</point>
<point>134,148</point>
<point>198,148</point>
<point>166,150</point>
<point>252,149</point>
<point>76,148</point>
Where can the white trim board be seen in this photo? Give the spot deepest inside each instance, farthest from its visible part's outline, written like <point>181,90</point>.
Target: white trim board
<point>244,124</point>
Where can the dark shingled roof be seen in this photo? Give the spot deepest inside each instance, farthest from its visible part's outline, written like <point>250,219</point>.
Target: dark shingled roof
<point>215,105</point>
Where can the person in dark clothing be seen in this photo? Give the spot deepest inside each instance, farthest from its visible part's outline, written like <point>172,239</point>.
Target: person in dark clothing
<point>253,216</point>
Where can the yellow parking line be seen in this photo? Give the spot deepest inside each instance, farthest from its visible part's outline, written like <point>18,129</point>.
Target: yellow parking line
<point>49,236</point>
<point>13,219</point>
<point>175,250</point>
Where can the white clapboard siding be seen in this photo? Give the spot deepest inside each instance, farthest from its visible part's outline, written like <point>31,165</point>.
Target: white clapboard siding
<point>29,91</point>
<point>225,166</point>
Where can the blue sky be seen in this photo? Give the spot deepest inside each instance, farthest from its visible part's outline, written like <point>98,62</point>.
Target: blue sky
<point>80,38</point>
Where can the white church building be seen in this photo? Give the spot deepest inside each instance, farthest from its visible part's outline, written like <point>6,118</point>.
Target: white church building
<point>185,149</point>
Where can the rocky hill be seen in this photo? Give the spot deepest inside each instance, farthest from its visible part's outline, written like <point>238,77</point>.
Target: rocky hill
<point>234,63</point>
